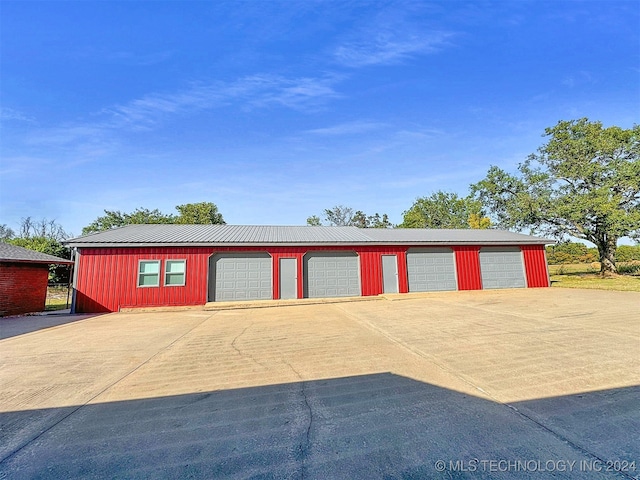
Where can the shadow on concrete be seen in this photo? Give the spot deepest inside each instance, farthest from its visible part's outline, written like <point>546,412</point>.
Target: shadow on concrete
<point>14,326</point>
<point>604,421</point>
<point>372,426</point>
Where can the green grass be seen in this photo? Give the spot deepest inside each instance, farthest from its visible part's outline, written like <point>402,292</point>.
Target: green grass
<point>56,299</point>
<point>587,276</point>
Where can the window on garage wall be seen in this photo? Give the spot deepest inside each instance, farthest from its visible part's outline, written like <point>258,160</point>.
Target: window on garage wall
<point>174,273</point>
<point>149,273</point>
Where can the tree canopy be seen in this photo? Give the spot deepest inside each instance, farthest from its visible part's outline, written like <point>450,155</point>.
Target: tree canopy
<point>6,233</point>
<point>445,210</point>
<point>342,216</point>
<point>44,236</point>
<point>583,182</point>
<point>116,218</point>
<point>203,213</point>
<point>189,213</point>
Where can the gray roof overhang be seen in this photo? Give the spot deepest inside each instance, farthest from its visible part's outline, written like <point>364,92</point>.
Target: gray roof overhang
<point>42,262</point>
<point>305,244</point>
<point>262,236</point>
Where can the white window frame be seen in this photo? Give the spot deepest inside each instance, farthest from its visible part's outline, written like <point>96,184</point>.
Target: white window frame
<point>184,272</point>
<point>141,274</point>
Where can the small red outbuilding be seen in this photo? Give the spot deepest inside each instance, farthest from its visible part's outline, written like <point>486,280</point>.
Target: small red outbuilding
<point>157,265</point>
<point>24,275</point>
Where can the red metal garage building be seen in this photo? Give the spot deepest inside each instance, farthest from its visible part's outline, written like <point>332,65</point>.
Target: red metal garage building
<point>157,265</point>
<point>24,275</point>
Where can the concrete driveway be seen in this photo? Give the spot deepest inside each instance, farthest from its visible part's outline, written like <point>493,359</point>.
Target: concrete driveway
<point>532,383</point>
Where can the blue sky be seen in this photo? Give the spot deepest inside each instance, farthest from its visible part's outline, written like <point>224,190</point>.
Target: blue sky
<point>277,110</point>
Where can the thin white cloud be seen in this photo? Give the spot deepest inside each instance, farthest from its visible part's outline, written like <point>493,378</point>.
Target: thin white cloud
<point>297,93</point>
<point>429,180</point>
<point>256,91</point>
<point>66,135</point>
<point>145,60</point>
<point>9,114</point>
<point>95,139</point>
<point>421,134</point>
<point>349,128</point>
<point>580,78</point>
<point>23,165</point>
<point>77,143</point>
<point>390,46</point>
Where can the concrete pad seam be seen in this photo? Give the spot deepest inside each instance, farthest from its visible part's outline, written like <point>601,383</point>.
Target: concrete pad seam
<point>413,350</point>
<point>553,324</point>
<point>564,439</point>
<point>55,327</point>
<point>252,304</point>
<point>463,378</point>
<point>78,407</point>
<point>494,312</point>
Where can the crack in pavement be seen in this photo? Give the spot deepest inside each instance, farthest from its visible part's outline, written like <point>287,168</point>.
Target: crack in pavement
<point>243,354</point>
<point>303,448</point>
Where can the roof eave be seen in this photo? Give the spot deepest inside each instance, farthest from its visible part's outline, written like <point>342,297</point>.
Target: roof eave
<point>309,244</point>
<point>43,262</point>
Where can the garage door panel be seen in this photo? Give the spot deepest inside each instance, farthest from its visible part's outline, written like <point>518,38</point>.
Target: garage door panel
<point>241,276</point>
<point>431,269</point>
<point>331,274</point>
<point>502,267</point>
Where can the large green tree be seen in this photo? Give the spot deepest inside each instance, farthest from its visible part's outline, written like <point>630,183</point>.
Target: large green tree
<point>194,213</point>
<point>445,210</point>
<point>583,182</point>
<point>116,218</point>
<point>199,213</point>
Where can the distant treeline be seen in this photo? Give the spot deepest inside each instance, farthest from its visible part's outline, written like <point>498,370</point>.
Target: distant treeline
<point>573,252</point>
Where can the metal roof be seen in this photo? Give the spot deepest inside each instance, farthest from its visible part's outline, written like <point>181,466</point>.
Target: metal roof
<point>452,236</point>
<point>12,253</point>
<point>262,235</point>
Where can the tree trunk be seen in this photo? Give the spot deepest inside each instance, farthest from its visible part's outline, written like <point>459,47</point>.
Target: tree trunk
<point>607,251</point>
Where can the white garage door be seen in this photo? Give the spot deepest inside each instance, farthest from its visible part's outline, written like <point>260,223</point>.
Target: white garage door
<point>331,274</point>
<point>502,267</point>
<point>240,276</point>
<point>431,269</point>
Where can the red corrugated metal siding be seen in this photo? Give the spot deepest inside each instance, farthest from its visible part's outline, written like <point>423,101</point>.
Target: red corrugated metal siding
<point>403,276</point>
<point>371,268</point>
<point>468,267</point>
<point>107,278</point>
<point>283,252</point>
<point>370,272</point>
<point>535,264</point>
